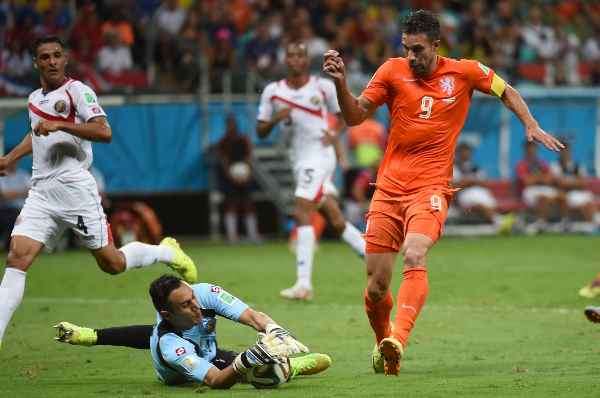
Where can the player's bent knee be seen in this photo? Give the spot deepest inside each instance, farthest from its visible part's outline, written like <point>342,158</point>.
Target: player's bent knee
<point>377,288</point>
<point>414,255</point>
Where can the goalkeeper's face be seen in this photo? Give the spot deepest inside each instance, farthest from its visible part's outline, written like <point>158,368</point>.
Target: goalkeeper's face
<point>184,311</point>
<point>420,52</point>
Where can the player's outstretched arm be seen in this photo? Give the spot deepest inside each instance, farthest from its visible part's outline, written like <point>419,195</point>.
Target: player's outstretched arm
<point>354,110</point>
<point>515,102</point>
<point>275,334</point>
<point>96,129</point>
<point>23,149</point>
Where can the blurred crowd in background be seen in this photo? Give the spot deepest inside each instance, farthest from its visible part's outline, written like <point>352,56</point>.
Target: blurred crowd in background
<point>237,45</point>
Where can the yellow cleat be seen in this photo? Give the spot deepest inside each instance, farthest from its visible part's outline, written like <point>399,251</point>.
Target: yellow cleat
<point>76,335</point>
<point>391,350</point>
<point>377,360</point>
<point>592,290</point>
<point>310,364</point>
<point>181,262</point>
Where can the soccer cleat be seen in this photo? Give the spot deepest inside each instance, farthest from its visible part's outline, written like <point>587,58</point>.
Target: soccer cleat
<point>309,364</point>
<point>181,262</point>
<point>593,314</point>
<point>592,290</point>
<point>506,224</point>
<point>297,293</point>
<point>377,360</point>
<point>76,335</point>
<point>392,351</point>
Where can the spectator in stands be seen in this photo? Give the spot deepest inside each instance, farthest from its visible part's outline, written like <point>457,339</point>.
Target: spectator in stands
<point>261,51</point>
<point>570,178</point>
<point>16,61</point>
<point>114,57</point>
<point>235,155</point>
<point>119,25</point>
<point>13,191</point>
<point>537,186</point>
<point>474,195</point>
<point>170,17</point>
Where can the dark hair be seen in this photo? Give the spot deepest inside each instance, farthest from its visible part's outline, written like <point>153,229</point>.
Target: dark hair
<point>422,21</point>
<point>161,288</point>
<point>44,40</point>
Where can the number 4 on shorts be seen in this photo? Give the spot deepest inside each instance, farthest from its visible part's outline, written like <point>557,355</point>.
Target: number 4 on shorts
<point>81,225</point>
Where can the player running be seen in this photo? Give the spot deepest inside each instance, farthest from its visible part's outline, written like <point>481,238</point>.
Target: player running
<point>65,118</point>
<point>301,103</point>
<point>428,97</point>
<point>183,342</point>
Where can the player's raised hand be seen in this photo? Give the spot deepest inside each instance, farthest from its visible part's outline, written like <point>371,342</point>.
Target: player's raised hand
<point>45,127</point>
<point>333,65</point>
<point>536,133</point>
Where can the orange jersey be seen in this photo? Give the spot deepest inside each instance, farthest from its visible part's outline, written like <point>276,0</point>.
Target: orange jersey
<point>427,116</point>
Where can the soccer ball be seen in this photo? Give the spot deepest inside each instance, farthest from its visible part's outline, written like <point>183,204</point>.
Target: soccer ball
<point>240,172</point>
<point>270,376</point>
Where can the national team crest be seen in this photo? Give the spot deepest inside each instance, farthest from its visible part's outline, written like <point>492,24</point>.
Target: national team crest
<point>60,106</point>
<point>315,100</point>
<point>447,85</point>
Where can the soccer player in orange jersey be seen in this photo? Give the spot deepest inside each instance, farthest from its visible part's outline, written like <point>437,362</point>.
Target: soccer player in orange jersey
<point>428,97</point>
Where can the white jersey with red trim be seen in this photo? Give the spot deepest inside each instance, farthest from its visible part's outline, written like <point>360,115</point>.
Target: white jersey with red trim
<point>310,105</point>
<point>60,153</point>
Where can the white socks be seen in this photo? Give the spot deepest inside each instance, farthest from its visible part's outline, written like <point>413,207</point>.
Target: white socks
<point>251,226</point>
<point>354,238</point>
<point>305,251</point>
<point>231,226</point>
<point>139,255</point>
<point>11,294</point>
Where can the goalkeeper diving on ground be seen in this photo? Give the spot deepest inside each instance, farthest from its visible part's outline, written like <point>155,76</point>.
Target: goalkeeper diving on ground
<point>183,342</point>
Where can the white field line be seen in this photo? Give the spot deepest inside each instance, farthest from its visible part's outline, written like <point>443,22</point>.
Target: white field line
<point>324,307</point>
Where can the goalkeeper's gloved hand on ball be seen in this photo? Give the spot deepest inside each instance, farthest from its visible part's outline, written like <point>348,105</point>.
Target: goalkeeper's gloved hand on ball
<point>278,335</point>
<point>257,355</point>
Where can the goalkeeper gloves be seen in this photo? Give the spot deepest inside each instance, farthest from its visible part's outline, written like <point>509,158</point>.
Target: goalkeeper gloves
<point>292,345</point>
<point>257,355</point>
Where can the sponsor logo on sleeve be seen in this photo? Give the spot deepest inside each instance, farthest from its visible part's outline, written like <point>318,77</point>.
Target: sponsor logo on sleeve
<point>180,351</point>
<point>89,98</point>
<point>96,110</point>
<point>226,298</point>
<point>215,289</point>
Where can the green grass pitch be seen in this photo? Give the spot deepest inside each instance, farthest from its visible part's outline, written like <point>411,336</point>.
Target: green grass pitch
<point>502,319</point>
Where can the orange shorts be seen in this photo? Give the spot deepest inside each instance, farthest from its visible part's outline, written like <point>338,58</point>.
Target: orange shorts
<point>392,217</point>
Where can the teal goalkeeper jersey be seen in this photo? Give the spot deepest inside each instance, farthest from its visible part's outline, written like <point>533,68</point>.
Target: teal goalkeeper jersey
<point>180,356</point>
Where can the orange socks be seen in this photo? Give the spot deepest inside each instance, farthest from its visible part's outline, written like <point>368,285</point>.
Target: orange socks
<point>379,315</point>
<point>411,297</point>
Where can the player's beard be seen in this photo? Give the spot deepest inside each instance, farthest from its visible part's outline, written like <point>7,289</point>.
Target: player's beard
<point>418,70</point>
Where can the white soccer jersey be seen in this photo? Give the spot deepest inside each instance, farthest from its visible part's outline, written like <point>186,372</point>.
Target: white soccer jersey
<point>61,153</point>
<point>309,105</point>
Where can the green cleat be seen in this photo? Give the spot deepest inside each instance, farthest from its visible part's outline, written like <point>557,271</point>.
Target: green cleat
<point>309,364</point>
<point>76,335</point>
<point>377,360</point>
<point>181,263</point>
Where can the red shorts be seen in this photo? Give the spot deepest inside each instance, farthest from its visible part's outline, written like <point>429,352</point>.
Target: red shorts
<point>391,218</point>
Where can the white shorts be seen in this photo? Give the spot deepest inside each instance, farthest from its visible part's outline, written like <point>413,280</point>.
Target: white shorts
<point>314,180</point>
<point>533,193</point>
<point>51,208</point>
<point>476,196</point>
<point>579,198</point>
